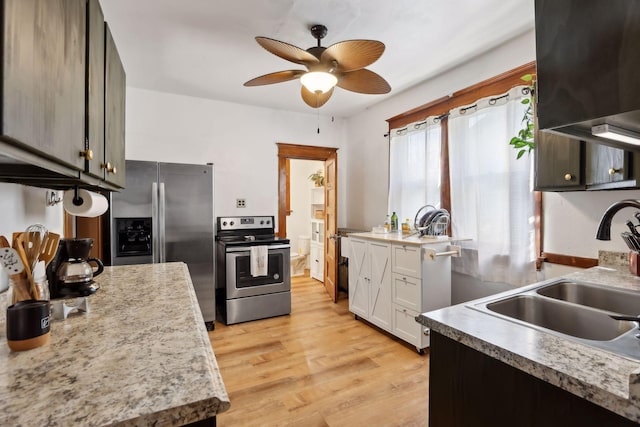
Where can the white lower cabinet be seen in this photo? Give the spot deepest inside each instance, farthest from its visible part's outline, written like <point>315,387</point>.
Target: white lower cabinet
<point>391,284</point>
<point>406,327</point>
<point>316,261</point>
<point>370,282</point>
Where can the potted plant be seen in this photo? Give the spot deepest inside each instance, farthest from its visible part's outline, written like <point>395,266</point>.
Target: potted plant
<point>317,178</point>
<point>524,141</point>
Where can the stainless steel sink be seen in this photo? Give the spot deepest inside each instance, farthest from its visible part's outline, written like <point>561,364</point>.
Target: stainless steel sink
<point>574,310</point>
<point>570,319</point>
<point>606,298</point>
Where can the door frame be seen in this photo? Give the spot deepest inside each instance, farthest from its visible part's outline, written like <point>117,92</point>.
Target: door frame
<point>287,152</point>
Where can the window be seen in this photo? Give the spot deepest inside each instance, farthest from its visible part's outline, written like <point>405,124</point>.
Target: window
<point>481,183</point>
<point>492,200</point>
<point>414,179</point>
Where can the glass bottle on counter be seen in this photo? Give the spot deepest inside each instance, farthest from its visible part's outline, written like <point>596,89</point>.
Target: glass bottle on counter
<point>394,222</point>
<point>387,224</point>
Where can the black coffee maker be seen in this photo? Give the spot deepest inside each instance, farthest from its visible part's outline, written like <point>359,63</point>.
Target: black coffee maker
<point>70,274</point>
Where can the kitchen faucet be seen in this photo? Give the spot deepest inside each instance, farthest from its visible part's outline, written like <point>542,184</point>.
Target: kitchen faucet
<point>604,229</point>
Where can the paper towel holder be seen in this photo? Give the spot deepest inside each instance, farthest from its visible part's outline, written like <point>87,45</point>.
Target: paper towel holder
<point>77,200</point>
<point>54,199</point>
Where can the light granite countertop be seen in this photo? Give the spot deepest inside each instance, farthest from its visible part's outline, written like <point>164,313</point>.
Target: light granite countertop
<point>601,377</point>
<point>405,239</point>
<point>140,356</point>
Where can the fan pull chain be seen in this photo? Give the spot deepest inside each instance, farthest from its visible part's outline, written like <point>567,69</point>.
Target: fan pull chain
<point>318,109</point>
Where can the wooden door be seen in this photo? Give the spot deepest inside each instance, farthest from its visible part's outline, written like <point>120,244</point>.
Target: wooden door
<point>331,226</point>
<point>330,157</point>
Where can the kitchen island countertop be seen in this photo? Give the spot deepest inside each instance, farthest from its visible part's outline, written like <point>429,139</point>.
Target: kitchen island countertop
<point>140,356</point>
<point>604,378</point>
<point>406,239</point>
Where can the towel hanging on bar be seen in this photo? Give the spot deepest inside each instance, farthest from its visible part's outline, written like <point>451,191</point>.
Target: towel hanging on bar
<point>259,260</point>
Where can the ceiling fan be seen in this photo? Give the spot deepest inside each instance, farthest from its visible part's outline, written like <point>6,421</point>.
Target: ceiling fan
<point>341,64</point>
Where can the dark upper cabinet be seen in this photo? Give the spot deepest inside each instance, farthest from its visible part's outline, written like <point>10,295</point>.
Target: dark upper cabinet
<point>567,164</point>
<point>559,163</point>
<point>587,66</point>
<point>95,90</point>
<point>114,96</point>
<point>43,79</point>
<point>606,165</point>
<point>60,75</point>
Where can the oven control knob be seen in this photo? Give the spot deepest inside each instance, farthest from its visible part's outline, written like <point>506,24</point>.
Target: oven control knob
<point>224,222</point>
<point>268,222</point>
<point>231,223</point>
<point>261,222</point>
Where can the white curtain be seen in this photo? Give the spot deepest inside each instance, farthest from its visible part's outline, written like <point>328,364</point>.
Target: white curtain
<point>491,191</point>
<point>414,168</point>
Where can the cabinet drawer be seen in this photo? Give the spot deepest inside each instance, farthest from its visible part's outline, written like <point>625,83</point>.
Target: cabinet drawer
<point>406,327</point>
<point>406,291</point>
<point>407,260</point>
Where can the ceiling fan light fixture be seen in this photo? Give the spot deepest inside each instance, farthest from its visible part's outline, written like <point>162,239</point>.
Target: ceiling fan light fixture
<point>318,81</point>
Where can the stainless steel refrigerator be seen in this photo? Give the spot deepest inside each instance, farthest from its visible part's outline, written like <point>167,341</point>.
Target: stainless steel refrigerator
<point>165,214</point>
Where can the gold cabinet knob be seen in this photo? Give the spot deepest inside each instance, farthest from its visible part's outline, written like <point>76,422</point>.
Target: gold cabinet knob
<point>568,177</point>
<point>109,167</point>
<point>87,154</point>
<point>614,171</point>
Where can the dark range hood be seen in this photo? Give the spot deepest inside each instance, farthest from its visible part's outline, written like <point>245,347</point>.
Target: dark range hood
<point>588,69</point>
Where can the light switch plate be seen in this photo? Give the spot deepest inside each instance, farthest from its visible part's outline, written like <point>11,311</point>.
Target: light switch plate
<point>241,203</point>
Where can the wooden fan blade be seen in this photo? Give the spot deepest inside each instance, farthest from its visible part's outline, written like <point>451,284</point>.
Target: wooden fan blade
<point>364,81</point>
<point>353,55</point>
<point>314,100</point>
<point>287,51</point>
<point>277,77</point>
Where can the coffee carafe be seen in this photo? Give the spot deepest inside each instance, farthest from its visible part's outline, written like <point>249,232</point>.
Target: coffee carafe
<point>70,274</point>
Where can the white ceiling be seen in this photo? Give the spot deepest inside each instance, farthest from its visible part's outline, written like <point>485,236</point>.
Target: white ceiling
<point>206,48</point>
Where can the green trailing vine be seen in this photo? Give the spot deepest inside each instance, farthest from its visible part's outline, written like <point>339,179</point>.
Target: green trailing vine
<point>524,141</point>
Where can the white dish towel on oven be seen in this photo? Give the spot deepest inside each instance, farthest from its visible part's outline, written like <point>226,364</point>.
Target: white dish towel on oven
<point>259,260</point>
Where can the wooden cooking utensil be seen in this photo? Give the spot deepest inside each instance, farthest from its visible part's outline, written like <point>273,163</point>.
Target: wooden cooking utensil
<point>20,248</point>
<point>12,262</point>
<point>4,243</point>
<point>49,248</point>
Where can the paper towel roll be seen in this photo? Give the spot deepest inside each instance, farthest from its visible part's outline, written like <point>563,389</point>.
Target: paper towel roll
<point>93,204</point>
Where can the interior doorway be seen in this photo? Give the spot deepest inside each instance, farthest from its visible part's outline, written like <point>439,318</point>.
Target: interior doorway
<point>327,155</point>
<point>305,222</point>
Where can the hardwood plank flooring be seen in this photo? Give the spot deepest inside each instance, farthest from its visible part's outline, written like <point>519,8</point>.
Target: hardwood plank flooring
<point>319,367</point>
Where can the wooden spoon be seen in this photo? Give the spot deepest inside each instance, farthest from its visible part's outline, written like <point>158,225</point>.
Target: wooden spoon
<point>49,248</point>
<point>20,248</point>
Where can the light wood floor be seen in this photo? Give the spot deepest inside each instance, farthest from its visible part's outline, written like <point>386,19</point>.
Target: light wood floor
<point>319,367</point>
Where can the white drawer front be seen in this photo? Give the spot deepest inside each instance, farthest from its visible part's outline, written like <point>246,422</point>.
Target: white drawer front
<point>407,260</point>
<point>406,327</point>
<point>406,291</point>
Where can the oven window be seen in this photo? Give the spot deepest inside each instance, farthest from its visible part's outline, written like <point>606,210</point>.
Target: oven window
<point>275,274</point>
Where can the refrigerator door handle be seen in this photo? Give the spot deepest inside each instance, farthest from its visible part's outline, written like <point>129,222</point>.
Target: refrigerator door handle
<point>155,247</point>
<point>161,218</point>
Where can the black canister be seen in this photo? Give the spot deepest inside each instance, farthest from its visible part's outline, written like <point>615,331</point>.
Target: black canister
<point>28,324</point>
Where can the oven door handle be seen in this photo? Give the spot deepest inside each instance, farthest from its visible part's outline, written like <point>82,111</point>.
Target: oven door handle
<point>246,248</point>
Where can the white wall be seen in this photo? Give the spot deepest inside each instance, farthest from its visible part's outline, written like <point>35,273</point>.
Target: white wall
<point>239,140</point>
<point>21,206</point>
<point>298,223</point>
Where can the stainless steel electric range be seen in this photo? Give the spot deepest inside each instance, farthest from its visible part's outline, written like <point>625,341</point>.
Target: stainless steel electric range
<point>240,295</point>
